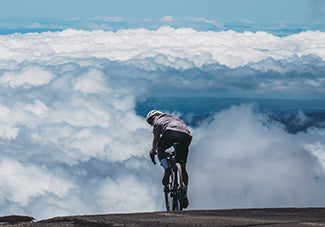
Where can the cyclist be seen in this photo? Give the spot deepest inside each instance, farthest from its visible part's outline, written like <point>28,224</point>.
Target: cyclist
<point>170,131</point>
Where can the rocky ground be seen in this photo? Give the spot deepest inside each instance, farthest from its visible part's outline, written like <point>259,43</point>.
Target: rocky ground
<point>237,217</point>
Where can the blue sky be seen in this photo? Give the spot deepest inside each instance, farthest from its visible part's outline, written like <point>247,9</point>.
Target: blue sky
<point>229,10</point>
<point>276,14</point>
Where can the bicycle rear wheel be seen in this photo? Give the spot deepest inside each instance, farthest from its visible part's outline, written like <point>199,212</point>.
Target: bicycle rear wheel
<point>175,202</point>
<point>180,189</point>
<point>174,187</point>
<point>177,188</point>
<point>166,191</point>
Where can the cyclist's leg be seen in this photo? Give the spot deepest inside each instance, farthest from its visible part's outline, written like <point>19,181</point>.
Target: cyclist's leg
<point>164,143</point>
<point>184,173</point>
<point>163,162</point>
<point>181,150</point>
<point>184,197</point>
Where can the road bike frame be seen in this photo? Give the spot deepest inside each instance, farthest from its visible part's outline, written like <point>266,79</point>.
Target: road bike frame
<point>174,191</point>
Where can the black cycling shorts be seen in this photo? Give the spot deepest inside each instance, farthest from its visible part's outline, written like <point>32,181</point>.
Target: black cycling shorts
<point>181,141</point>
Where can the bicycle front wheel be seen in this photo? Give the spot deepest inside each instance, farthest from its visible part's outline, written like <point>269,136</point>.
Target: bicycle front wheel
<point>166,191</point>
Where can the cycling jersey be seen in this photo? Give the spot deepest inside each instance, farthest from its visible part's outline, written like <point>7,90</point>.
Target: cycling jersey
<point>167,122</point>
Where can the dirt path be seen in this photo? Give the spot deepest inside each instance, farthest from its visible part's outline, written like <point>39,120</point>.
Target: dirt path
<point>238,217</point>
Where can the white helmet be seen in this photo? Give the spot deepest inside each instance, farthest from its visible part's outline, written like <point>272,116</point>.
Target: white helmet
<point>151,115</point>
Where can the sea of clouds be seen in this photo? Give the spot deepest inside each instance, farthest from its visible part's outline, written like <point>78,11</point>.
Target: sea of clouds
<point>72,143</point>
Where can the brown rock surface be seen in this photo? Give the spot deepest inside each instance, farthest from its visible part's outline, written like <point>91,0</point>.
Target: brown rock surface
<point>236,217</point>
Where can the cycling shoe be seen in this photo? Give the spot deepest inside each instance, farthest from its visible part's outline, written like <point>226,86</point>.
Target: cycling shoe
<point>185,202</point>
<point>165,180</point>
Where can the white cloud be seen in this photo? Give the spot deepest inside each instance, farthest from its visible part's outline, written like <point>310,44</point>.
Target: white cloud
<point>72,19</point>
<point>169,19</point>
<point>37,108</point>
<point>67,115</point>
<point>25,182</point>
<point>112,19</point>
<point>35,25</point>
<point>317,149</point>
<point>31,76</point>
<point>228,48</point>
<point>240,160</point>
<point>91,82</point>
<point>121,195</point>
<point>247,21</point>
<point>7,131</point>
<point>204,20</point>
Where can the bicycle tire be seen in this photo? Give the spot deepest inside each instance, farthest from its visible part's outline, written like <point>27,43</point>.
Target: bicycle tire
<point>174,187</point>
<point>166,191</point>
<point>180,191</point>
<point>175,190</point>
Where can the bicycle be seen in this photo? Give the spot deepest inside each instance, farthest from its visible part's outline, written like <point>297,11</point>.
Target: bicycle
<point>175,190</point>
